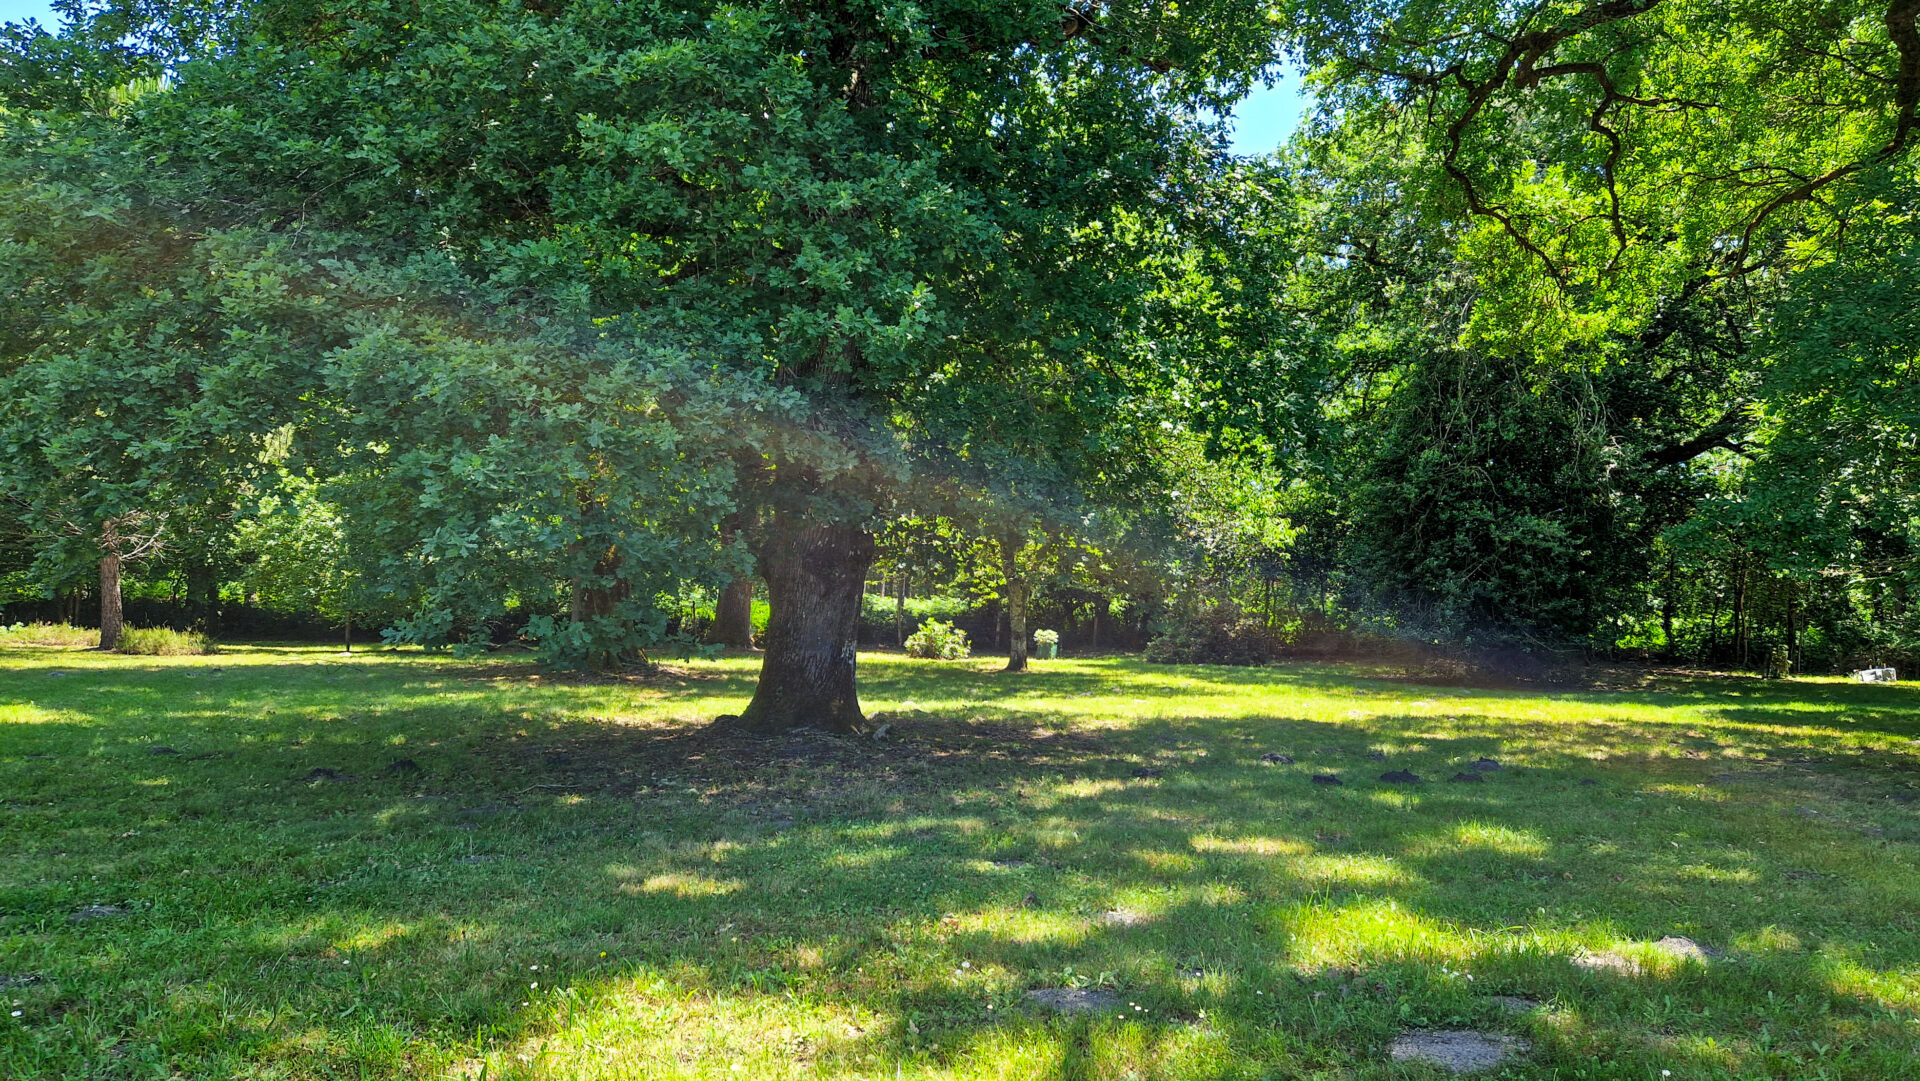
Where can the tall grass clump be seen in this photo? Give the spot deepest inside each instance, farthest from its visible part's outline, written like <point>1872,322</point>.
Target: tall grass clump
<point>62,635</point>
<point>163,642</point>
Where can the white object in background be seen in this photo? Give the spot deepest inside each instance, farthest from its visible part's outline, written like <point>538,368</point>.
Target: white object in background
<point>1876,675</point>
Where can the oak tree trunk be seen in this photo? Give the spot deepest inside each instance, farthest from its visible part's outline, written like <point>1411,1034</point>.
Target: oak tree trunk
<point>816,573</point>
<point>112,621</point>
<point>599,596</point>
<point>733,616</point>
<point>1017,591</point>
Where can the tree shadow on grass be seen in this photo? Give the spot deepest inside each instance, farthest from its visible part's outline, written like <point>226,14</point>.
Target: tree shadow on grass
<point>845,906</point>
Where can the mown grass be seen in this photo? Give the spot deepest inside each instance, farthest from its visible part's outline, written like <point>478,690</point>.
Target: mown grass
<point>512,876</point>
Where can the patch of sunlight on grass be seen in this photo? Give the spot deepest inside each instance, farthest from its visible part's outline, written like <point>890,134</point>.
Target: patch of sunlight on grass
<point>1842,971</point>
<point>1483,837</point>
<point>1352,870</point>
<point>1769,939</point>
<point>1088,788</point>
<point>1700,1052</point>
<point>869,857</point>
<point>1266,847</point>
<point>684,884</point>
<point>1135,1050</point>
<point>1023,925</point>
<point>651,1027</point>
<point>1374,930</point>
<point>1221,893</point>
<point>28,713</point>
<point>373,937</point>
<point>1702,872</point>
<point>1165,863</point>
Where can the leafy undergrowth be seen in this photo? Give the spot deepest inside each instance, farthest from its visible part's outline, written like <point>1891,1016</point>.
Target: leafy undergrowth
<point>283,862</point>
<point>163,642</point>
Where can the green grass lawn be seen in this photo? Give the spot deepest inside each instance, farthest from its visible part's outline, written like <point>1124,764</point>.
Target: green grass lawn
<point>579,880</point>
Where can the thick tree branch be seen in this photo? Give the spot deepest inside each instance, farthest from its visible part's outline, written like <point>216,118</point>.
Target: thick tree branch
<point>1721,433</point>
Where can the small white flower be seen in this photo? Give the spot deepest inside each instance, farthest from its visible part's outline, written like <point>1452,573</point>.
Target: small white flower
<point>534,984</point>
<point>17,1013</point>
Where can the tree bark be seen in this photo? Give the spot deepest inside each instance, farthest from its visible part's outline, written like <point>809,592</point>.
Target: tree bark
<point>815,575</point>
<point>1017,594</point>
<point>733,615</point>
<point>597,599</point>
<point>1740,615</point>
<point>112,620</point>
<point>1667,605</point>
<point>1793,626</point>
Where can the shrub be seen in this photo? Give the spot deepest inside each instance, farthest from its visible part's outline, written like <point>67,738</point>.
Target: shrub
<point>1219,635</point>
<point>163,642</point>
<point>938,641</point>
<point>49,634</point>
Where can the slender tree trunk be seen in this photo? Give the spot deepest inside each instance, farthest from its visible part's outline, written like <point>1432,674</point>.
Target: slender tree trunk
<point>1713,627</point>
<point>733,615</point>
<point>1099,604</point>
<point>1793,626</point>
<point>815,574</point>
<point>1667,605</point>
<point>1018,592</point>
<point>112,621</point>
<point>1740,615</point>
<point>349,632</point>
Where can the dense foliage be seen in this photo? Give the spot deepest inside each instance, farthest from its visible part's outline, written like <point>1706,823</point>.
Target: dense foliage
<point>1585,325</point>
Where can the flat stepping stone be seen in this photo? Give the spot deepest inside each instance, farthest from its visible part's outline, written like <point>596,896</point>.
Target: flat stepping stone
<point>1606,961</point>
<point>1485,765</point>
<point>1400,776</point>
<point>1326,778</point>
<point>1676,946</point>
<point>402,767</point>
<point>96,912</point>
<point>1073,1000</point>
<point>1463,777</point>
<point>1621,965</point>
<point>322,773</point>
<point>1515,1003</point>
<point>1124,917</point>
<point>1147,772</point>
<point>161,750</point>
<point>1275,758</point>
<point>1457,1050</point>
